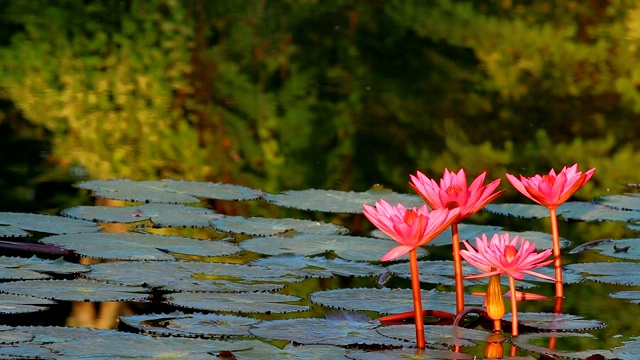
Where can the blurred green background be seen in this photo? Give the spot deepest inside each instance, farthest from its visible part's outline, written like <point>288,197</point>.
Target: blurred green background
<point>294,94</point>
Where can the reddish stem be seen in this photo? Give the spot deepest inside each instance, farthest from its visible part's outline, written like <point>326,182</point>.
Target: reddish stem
<point>557,260</point>
<point>417,299</point>
<point>457,268</point>
<point>411,314</point>
<point>514,308</point>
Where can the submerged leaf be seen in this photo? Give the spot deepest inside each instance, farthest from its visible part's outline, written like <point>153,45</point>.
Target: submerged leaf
<point>73,290</point>
<point>267,226</point>
<point>255,302</point>
<point>339,201</point>
<point>134,246</point>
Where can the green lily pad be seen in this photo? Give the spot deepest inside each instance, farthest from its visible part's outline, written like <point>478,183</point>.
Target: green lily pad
<point>632,295</point>
<point>623,249</point>
<point>256,302</point>
<point>340,332</point>
<point>16,268</point>
<point>556,322</point>
<point>621,273</point>
<point>159,214</point>
<point>622,202</point>
<point>73,290</point>
<point>12,231</point>
<point>526,211</point>
<point>190,325</point>
<point>403,354</point>
<point>134,246</point>
<point>318,266</point>
<point>167,191</point>
<point>628,351</point>
<point>571,210</point>
<point>347,247</point>
<point>194,276</point>
<point>45,223</point>
<point>389,301</point>
<point>525,342</point>
<point>465,231</point>
<point>17,304</point>
<point>335,201</point>
<point>261,226</point>
<point>436,334</point>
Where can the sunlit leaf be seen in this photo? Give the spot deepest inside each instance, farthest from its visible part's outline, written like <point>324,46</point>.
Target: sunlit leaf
<point>388,301</point>
<point>73,290</point>
<point>255,302</point>
<point>193,276</point>
<point>525,342</point>
<point>403,354</point>
<point>267,226</point>
<point>339,201</point>
<point>190,325</point>
<point>16,268</point>
<point>436,334</point>
<point>46,223</point>
<point>159,214</point>
<point>319,266</point>
<point>167,191</point>
<point>135,246</point>
<point>622,273</point>
<point>323,331</point>
<point>17,304</point>
<point>556,322</point>
<point>347,247</point>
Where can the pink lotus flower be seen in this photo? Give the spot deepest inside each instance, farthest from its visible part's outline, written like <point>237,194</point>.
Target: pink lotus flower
<point>552,190</point>
<point>500,256</point>
<point>411,228</point>
<point>453,192</point>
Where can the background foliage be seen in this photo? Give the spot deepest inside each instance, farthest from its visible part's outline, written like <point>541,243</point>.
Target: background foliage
<point>328,94</point>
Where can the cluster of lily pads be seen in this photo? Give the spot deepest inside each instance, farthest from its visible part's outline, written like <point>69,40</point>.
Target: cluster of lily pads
<point>228,292</point>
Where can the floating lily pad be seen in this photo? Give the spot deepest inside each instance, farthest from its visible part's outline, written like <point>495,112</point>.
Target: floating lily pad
<point>16,304</point>
<point>255,302</point>
<point>465,231</point>
<point>403,354</point>
<point>526,211</point>
<point>622,273</point>
<point>331,331</point>
<point>335,201</point>
<point>159,214</point>
<point>16,268</point>
<point>388,301</point>
<point>573,210</point>
<point>12,231</point>
<point>190,325</point>
<point>134,246</point>
<point>167,191</point>
<point>556,322</point>
<point>347,247</point>
<point>632,295</point>
<point>73,290</point>
<point>628,351</point>
<point>193,276</point>
<point>524,341</point>
<point>622,202</point>
<point>261,226</point>
<point>436,334</point>
<point>319,266</point>
<point>45,223</point>
<point>623,249</point>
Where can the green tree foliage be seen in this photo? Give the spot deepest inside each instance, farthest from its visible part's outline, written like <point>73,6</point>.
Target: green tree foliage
<point>336,94</point>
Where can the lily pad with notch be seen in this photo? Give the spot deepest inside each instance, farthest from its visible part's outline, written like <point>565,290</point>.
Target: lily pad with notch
<point>347,247</point>
<point>526,342</point>
<point>261,226</point>
<point>168,191</point>
<point>388,301</point>
<point>159,214</point>
<point>621,273</point>
<point>622,249</point>
<point>191,325</point>
<point>556,321</point>
<point>194,276</point>
<point>17,268</point>
<point>335,201</point>
<point>254,302</point>
<point>74,290</point>
<point>448,335</point>
<point>135,246</point>
<point>49,224</point>
<point>319,266</point>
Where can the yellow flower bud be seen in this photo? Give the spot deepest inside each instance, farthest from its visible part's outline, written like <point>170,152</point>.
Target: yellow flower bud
<point>493,301</point>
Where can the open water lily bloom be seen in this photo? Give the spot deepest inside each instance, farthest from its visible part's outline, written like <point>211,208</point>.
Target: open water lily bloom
<point>452,191</point>
<point>551,190</point>
<point>501,256</point>
<point>411,228</point>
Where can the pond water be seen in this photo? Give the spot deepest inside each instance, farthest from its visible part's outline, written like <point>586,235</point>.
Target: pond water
<point>275,99</point>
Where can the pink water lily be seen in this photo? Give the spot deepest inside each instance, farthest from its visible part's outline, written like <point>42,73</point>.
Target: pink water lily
<point>500,255</point>
<point>411,228</point>
<point>450,193</point>
<point>552,190</point>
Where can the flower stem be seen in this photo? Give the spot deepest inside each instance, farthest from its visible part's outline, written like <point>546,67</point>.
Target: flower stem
<point>514,307</point>
<point>417,299</point>
<point>557,259</point>
<point>457,268</point>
